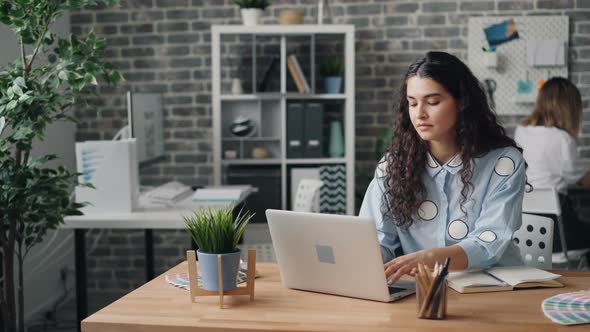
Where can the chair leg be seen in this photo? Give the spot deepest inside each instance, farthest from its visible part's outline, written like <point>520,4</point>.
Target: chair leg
<point>562,239</point>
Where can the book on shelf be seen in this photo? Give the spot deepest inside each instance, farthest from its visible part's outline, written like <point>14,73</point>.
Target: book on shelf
<point>268,74</point>
<point>504,278</point>
<point>297,74</point>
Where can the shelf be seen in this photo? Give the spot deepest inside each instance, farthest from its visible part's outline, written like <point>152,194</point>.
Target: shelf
<point>256,54</point>
<point>277,29</point>
<point>263,139</point>
<point>278,96</point>
<point>304,161</point>
<point>251,161</point>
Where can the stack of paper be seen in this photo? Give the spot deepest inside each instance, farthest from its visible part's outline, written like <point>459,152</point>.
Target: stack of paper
<point>220,194</point>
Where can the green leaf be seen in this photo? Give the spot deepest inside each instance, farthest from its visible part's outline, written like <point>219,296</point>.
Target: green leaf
<point>10,92</point>
<point>89,78</point>
<point>24,98</point>
<point>17,89</point>
<point>63,75</point>
<point>19,81</point>
<point>23,133</point>
<point>52,58</point>
<point>11,105</point>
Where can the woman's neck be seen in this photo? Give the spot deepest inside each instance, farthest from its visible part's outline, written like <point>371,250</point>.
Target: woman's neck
<point>443,151</point>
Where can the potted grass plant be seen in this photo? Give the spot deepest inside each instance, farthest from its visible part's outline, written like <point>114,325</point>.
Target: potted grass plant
<point>331,70</point>
<point>251,10</point>
<point>217,232</point>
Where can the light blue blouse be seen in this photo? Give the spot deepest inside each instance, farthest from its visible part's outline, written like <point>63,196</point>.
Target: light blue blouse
<point>494,211</point>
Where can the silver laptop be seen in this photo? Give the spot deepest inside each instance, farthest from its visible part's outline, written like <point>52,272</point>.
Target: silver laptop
<point>332,254</point>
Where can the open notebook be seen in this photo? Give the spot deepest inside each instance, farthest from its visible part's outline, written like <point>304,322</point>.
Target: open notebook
<point>501,279</point>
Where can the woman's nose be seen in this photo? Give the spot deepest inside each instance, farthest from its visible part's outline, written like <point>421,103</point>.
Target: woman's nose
<point>422,112</point>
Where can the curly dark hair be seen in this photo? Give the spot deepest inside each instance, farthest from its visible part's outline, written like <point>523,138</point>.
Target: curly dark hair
<point>477,132</point>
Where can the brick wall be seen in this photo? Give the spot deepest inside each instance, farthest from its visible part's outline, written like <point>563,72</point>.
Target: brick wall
<point>164,46</point>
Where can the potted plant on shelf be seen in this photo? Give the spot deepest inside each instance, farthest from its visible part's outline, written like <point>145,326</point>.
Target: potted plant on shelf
<point>331,70</point>
<point>216,232</point>
<point>34,195</point>
<point>251,10</point>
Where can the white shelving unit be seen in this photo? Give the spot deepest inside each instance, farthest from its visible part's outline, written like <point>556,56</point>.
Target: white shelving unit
<point>272,106</point>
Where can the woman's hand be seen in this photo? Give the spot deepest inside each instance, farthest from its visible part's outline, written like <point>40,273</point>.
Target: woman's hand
<point>405,264</point>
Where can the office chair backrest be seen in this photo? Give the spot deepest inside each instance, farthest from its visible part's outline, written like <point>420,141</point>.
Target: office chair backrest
<point>306,195</point>
<point>535,241</point>
<point>542,200</point>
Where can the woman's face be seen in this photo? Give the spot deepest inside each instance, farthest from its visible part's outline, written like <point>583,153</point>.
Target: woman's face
<point>432,109</point>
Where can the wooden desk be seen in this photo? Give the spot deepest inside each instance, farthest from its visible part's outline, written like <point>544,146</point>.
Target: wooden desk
<point>158,306</point>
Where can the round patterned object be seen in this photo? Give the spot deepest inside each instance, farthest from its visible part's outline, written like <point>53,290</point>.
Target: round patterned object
<point>458,229</point>
<point>504,166</point>
<point>487,236</point>
<point>427,210</point>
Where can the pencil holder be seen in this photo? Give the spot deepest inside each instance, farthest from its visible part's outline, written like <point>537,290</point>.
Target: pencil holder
<point>433,306</point>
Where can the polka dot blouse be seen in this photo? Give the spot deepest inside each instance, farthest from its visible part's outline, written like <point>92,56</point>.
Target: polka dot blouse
<point>494,211</point>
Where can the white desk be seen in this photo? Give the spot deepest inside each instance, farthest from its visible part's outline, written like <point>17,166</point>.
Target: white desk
<point>147,219</point>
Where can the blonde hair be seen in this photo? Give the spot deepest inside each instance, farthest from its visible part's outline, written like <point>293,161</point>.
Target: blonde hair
<point>559,105</point>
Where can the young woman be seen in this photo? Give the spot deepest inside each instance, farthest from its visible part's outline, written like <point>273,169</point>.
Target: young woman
<point>451,182</point>
<point>548,136</point>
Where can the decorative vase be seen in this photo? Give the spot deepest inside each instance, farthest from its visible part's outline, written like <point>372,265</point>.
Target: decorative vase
<point>251,16</point>
<point>290,17</point>
<point>236,86</point>
<point>230,264</point>
<point>332,84</point>
<point>336,149</point>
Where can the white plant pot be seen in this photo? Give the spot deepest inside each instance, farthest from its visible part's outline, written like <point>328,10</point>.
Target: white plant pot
<point>251,16</point>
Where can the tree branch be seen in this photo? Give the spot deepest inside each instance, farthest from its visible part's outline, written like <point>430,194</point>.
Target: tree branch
<point>26,160</point>
<point>40,41</point>
<point>24,58</point>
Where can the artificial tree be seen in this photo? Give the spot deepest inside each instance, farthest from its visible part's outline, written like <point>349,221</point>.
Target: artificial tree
<point>35,197</point>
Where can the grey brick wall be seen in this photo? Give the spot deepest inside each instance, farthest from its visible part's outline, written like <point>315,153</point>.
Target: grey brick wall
<point>164,46</point>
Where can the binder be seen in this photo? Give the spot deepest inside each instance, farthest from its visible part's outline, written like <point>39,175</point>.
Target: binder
<point>295,130</point>
<point>313,130</point>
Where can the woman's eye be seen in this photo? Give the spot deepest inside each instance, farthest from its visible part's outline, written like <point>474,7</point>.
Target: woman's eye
<point>413,105</point>
<point>434,103</point>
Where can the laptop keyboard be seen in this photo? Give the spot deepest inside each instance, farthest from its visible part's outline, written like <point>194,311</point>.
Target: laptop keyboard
<point>393,290</point>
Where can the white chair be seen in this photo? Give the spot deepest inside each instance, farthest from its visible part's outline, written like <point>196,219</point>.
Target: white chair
<point>546,201</point>
<point>306,197</point>
<point>535,241</point>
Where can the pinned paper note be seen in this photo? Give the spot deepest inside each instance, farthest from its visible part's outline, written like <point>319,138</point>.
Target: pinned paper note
<point>501,33</point>
<point>546,52</point>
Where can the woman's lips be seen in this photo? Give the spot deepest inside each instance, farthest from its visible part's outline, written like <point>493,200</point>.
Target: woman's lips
<point>424,126</point>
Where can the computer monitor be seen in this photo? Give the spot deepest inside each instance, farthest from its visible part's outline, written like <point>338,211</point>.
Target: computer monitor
<point>145,112</point>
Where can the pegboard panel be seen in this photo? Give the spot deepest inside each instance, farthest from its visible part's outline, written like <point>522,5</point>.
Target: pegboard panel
<point>512,59</point>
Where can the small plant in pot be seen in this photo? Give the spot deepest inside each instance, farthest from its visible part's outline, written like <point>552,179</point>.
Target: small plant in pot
<point>216,232</point>
<point>331,70</point>
<point>251,10</point>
